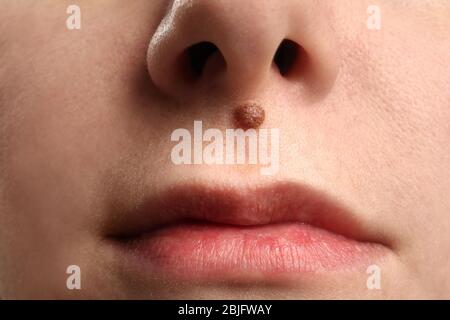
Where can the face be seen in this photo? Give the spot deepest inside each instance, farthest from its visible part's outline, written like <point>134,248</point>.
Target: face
<point>359,206</point>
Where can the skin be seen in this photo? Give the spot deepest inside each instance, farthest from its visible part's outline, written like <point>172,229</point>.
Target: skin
<point>86,116</point>
<point>248,116</point>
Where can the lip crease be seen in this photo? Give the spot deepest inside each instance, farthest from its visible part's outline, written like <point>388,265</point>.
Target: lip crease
<point>207,232</point>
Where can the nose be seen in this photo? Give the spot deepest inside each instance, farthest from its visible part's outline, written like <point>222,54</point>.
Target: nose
<point>228,46</point>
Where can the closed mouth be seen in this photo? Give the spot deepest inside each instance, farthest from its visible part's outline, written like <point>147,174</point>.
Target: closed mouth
<point>203,232</point>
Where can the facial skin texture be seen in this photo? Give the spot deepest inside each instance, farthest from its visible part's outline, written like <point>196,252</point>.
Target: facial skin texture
<point>84,130</point>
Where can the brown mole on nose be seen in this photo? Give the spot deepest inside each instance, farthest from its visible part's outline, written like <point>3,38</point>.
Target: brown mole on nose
<point>248,116</point>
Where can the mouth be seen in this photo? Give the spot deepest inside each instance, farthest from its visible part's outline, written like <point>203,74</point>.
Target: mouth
<point>201,232</point>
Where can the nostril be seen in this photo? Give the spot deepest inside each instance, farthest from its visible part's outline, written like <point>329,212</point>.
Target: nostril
<point>287,56</point>
<point>198,56</point>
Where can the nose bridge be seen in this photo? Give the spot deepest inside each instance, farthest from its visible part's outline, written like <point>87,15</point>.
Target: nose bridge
<point>246,33</point>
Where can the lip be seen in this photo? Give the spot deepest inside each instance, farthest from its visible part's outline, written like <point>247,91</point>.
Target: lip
<point>202,232</point>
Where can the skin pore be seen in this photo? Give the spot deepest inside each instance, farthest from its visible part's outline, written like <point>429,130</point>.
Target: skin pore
<point>86,117</point>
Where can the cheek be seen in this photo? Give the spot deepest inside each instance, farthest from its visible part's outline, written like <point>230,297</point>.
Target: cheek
<point>391,128</point>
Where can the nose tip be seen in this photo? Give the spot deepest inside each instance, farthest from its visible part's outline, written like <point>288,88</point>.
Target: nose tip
<point>206,39</point>
<point>235,45</point>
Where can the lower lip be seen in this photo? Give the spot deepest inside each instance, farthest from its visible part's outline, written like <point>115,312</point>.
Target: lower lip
<point>208,251</point>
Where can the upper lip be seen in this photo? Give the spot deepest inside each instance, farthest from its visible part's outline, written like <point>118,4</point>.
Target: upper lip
<point>269,204</point>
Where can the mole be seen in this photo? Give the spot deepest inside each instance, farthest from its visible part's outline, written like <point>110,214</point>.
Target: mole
<point>248,116</point>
